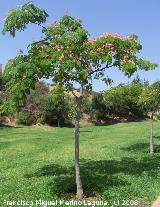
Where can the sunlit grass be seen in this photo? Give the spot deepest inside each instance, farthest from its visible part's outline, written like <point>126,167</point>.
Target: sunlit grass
<point>38,162</point>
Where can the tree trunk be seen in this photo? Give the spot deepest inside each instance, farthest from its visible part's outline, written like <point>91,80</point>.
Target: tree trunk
<point>77,164</point>
<point>151,135</point>
<point>16,118</point>
<point>59,122</point>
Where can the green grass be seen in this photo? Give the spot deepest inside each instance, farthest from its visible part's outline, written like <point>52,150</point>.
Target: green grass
<point>38,163</point>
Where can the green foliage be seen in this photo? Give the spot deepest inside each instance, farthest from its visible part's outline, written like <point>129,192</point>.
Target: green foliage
<point>66,55</point>
<point>114,162</point>
<point>94,106</point>
<point>149,99</point>
<point>123,100</point>
<point>87,105</point>
<point>33,102</point>
<point>24,118</point>
<point>3,92</point>
<point>55,105</point>
<point>17,19</point>
<point>72,110</point>
<point>98,106</point>
<point>20,78</point>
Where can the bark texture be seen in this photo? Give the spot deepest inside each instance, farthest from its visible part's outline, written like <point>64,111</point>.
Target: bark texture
<point>151,135</point>
<point>16,118</point>
<point>77,164</point>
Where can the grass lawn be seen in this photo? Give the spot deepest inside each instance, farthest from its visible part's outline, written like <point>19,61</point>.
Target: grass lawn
<point>38,162</point>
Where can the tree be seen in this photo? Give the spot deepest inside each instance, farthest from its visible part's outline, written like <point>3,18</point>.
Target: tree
<point>149,100</point>
<point>68,56</point>
<point>98,106</point>
<point>32,107</point>
<point>122,100</point>
<point>55,105</point>
<point>18,19</point>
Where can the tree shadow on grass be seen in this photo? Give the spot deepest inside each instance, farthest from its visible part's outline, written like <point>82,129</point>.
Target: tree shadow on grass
<point>4,144</point>
<point>3,126</point>
<point>48,170</point>
<point>111,121</point>
<point>142,147</point>
<point>97,176</point>
<point>81,131</point>
<point>157,137</point>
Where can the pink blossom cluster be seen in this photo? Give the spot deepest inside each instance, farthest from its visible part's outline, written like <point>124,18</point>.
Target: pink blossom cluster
<point>69,29</point>
<point>42,46</point>
<point>57,36</point>
<point>55,24</point>
<point>100,50</point>
<point>115,35</point>
<point>62,47</point>
<point>111,51</point>
<point>130,38</point>
<point>106,34</point>
<point>127,60</point>
<point>108,44</point>
<point>20,51</point>
<point>61,58</point>
<point>92,40</point>
<point>53,44</point>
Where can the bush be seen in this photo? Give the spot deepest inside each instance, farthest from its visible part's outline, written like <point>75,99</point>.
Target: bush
<point>33,105</point>
<point>55,107</point>
<point>26,118</point>
<point>122,100</point>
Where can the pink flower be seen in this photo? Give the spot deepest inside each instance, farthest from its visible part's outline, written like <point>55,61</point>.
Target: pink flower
<point>111,53</point>
<point>99,50</point>
<point>42,46</point>
<point>91,40</point>
<point>20,51</point>
<point>109,44</point>
<point>52,44</point>
<point>62,47</point>
<point>55,24</point>
<point>61,58</point>
<point>57,36</point>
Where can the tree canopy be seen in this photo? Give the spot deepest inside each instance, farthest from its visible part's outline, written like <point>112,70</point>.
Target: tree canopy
<point>68,56</point>
<point>18,19</point>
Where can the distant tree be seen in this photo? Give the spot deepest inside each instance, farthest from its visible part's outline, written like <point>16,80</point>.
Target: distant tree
<point>98,106</point>
<point>3,92</point>
<point>55,105</point>
<point>94,106</point>
<point>150,103</point>
<point>33,103</point>
<point>17,20</point>
<point>139,81</point>
<point>68,56</point>
<point>122,100</point>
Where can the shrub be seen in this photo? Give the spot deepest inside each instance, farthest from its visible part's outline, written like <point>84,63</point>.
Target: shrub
<point>26,119</point>
<point>55,106</point>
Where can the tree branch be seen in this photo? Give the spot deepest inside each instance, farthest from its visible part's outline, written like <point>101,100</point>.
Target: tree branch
<point>101,69</point>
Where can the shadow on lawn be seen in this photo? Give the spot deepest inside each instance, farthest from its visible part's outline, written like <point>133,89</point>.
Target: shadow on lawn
<point>157,137</point>
<point>141,147</point>
<point>112,121</point>
<point>3,126</point>
<point>4,145</point>
<point>97,176</point>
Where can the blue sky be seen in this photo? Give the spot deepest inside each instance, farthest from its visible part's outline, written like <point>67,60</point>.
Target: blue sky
<point>141,17</point>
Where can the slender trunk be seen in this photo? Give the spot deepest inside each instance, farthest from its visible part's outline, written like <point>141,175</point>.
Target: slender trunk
<point>77,164</point>
<point>151,135</point>
<point>59,122</point>
<point>16,118</point>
